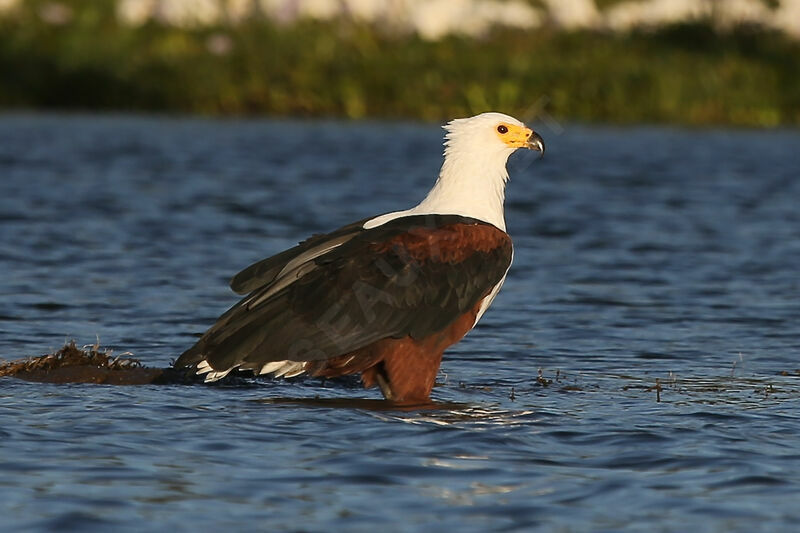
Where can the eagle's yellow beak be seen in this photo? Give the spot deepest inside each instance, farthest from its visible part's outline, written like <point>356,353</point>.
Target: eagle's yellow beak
<point>520,137</point>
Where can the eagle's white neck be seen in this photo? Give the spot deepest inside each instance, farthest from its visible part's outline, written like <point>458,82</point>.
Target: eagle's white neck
<point>471,182</point>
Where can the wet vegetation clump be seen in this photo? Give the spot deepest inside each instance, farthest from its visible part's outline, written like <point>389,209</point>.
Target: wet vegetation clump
<point>71,364</point>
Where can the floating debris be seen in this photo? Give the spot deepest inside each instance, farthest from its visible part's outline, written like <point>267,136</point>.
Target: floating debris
<point>541,380</point>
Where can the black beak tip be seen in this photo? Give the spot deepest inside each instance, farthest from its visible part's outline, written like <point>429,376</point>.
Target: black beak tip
<point>536,143</point>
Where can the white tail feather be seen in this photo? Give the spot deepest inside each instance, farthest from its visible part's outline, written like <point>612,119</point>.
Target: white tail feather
<point>214,376</point>
<point>290,369</point>
<point>211,375</point>
<point>271,367</point>
<point>287,369</point>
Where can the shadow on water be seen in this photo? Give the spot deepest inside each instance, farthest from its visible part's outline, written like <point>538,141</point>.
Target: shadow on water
<point>364,403</point>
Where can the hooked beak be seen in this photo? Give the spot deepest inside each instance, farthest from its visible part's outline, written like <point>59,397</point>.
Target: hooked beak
<point>535,142</point>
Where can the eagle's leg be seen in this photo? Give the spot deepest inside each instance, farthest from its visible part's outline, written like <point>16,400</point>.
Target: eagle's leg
<point>383,383</point>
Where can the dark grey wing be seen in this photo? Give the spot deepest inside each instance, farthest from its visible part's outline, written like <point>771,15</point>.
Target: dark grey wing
<point>412,276</point>
<point>264,272</point>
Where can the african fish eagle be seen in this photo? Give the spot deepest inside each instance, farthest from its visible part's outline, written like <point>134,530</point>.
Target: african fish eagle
<point>384,296</point>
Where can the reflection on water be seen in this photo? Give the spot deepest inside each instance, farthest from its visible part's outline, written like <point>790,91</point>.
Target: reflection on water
<point>638,370</point>
<point>473,416</point>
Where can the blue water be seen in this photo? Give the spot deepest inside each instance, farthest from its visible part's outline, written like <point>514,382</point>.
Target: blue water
<point>643,256</point>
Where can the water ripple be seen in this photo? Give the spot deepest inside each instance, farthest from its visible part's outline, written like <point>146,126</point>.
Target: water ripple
<point>638,371</point>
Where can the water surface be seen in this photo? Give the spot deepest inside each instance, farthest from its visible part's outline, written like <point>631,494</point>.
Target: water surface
<point>644,257</point>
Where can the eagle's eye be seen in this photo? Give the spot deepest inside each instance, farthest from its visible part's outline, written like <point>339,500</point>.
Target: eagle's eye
<point>501,129</point>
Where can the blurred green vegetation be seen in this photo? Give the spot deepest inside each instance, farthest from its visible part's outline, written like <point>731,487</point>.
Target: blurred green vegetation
<point>686,74</point>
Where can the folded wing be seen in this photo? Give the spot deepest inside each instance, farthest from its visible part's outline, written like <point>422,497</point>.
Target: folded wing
<point>337,293</point>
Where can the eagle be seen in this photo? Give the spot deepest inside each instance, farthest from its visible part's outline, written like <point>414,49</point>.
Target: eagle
<point>384,296</point>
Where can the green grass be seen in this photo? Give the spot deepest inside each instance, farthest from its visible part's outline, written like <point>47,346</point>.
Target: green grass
<point>685,74</point>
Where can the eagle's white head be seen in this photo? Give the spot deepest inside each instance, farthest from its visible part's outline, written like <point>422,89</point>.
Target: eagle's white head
<point>487,135</point>
<point>473,176</point>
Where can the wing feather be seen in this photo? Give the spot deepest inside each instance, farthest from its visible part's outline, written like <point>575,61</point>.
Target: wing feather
<point>264,272</point>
